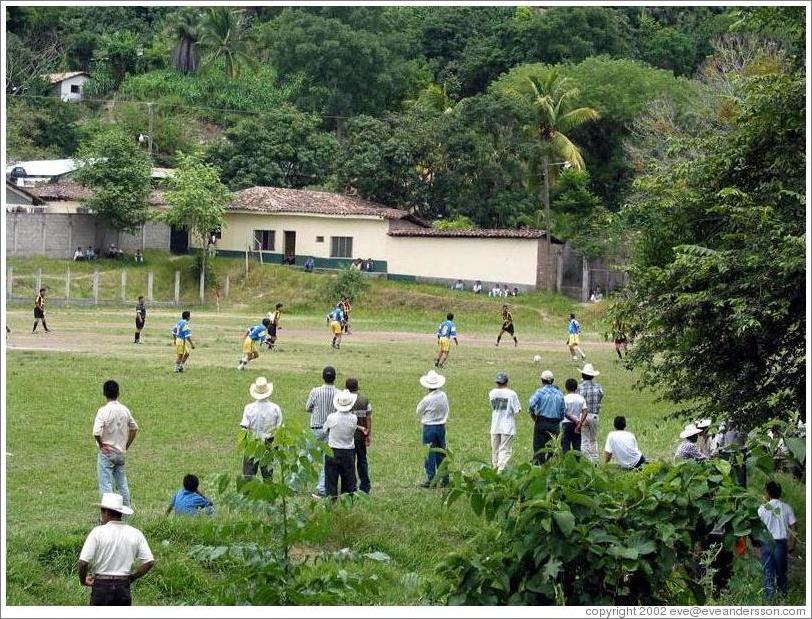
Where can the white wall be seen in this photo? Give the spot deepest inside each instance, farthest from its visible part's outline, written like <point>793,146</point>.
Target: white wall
<point>63,88</point>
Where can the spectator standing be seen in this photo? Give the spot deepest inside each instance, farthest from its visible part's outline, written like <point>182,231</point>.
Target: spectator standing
<point>505,407</point>
<point>114,430</point>
<point>622,445</point>
<point>341,427</point>
<point>547,410</point>
<point>687,449</point>
<point>362,409</point>
<point>261,418</point>
<point>433,410</point>
<point>110,550</point>
<point>189,500</point>
<point>320,405</point>
<point>592,393</point>
<point>779,519</point>
<point>575,412</point>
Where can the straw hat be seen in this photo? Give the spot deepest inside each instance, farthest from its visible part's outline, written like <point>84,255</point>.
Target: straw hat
<point>114,502</point>
<point>589,370</point>
<point>690,430</point>
<point>344,400</point>
<point>432,380</point>
<point>261,389</point>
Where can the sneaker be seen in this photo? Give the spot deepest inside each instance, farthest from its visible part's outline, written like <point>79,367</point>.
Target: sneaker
<point>177,369</point>
<point>424,484</point>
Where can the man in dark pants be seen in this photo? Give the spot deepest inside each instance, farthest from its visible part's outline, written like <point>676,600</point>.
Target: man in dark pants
<point>340,427</point>
<point>140,319</point>
<point>111,548</point>
<point>547,410</point>
<point>363,411</point>
<point>39,311</point>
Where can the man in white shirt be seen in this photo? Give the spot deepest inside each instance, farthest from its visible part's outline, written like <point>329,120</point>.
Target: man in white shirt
<point>623,446</point>
<point>261,418</point>
<point>779,519</point>
<point>575,413</point>
<point>504,408</point>
<point>433,410</point>
<point>78,254</point>
<point>340,427</point>
<point>110,551</point>
<point>114,430</point>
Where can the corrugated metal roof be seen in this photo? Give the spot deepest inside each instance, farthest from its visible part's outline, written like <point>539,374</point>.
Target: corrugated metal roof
<point>55,78</point>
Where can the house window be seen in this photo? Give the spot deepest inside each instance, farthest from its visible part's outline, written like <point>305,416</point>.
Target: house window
<point>341,247</point>
<point>319,239</point>
<point>74,88</point>
<point>264,240</point>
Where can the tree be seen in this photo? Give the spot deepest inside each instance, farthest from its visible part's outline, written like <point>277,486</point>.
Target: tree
<point>283,148</point>
<point>196,199</point>
<point>225,39</point>
<point>185,56</point>
<point>716,304</point>
<point>118,174</point>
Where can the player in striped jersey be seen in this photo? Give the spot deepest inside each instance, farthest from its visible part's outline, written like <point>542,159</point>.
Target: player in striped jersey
<point>507,326</point>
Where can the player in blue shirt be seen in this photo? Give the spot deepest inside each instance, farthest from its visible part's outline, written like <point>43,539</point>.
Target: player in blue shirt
<point>335,319</point>
<point>573,338</point>
<point>254,337</point>
<point>445,333</point>
<point>190,501</point>
<point>182,339</point>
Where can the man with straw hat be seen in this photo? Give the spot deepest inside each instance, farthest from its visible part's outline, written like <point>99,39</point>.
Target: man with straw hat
<point>592,393</point>
<point>110,550</point>
<point>703,442</point>
<point>261,418</point>
<point>687,449</point>
<point>433,410</point>
<point>340,427</point>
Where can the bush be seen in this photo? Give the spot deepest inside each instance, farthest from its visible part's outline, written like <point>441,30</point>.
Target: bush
<point>571,533</point>
<point>349,282</point>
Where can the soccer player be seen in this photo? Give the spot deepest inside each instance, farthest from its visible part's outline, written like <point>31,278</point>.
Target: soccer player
<point>507,326</point>
<point>334,319</point>
<point>344,304</point>
<point>39,311</point>
<point>253,339</point>
<point>621,340</point>
<point>445,333</point>
<point>182,339</point>
<point>274,318</point>
<point>574,337</point>
<point>140,318</point>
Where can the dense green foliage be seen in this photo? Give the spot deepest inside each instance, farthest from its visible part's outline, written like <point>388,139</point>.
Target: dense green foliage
<point>573,533</point>
<point>118,173</point>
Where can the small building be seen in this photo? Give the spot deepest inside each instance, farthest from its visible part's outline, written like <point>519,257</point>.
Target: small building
<point>276,224</point>
<point>67,86</point>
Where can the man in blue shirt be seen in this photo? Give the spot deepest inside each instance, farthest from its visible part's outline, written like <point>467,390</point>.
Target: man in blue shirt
<point>254,338</point>
<point>445,333</point>
<point>547,410</point>
<point>182,338</point>
<point>574,338</point>
<point>189,500</point>
<point>334,319</point>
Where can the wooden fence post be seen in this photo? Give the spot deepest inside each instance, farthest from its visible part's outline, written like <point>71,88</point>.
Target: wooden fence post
<point>10,282</point>
<point>149,286</point>
<point>67,287</point>
<point>584,280</point>
<point>202,287</point>
<point>177,287</point>
<point>39,280</point>
<point>124,286</point>
<point>95,287</point>
<point>228,283</point>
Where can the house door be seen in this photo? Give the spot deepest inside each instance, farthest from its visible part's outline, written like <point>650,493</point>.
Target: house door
<point>178,241</point>
<point>290,243</point>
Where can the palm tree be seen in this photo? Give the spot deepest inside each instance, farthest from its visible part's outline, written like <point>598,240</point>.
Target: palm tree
<point>224,37</point>
<point>185,55</point>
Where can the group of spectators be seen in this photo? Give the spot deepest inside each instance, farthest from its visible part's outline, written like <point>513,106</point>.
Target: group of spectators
<point>89,253</point>
<point>359,264</point>
<point>497,290</point>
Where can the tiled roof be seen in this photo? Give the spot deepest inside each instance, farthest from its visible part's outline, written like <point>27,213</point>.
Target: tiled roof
<point>73,192</point>
<point>485,233</point>
<point>24,191</point>
<point>55,78</point>
<point>279,200</point>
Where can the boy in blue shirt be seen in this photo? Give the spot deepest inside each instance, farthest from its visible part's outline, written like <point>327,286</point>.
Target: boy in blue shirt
<point>335,318</point>
<point>445,333</point>
<point>574,337</point>
<point>190,501</point>
<point>182,339</point>
<point>254,337</point>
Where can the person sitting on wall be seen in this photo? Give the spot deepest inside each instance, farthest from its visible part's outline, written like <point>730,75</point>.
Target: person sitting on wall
<point>515,292</point>
<point>477,287</point>
<point>289,259</point>
<point>309,264</point>
<point>496,291</point>
<point>458,285</point>
<point>139,257</point>
<point>89,253</point>
<point>369,265</point>
<point>78,254</point>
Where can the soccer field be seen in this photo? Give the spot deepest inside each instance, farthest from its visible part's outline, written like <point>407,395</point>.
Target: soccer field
<point>189,423</point>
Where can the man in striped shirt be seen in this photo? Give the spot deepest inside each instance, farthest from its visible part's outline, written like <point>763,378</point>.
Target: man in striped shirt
<point>319,405</point>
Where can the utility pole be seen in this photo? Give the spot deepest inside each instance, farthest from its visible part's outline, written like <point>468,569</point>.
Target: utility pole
<point>546,196</point>
<point>151,124</point>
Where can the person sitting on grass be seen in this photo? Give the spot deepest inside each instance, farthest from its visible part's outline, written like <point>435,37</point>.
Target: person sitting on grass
<point>189,500</point>
<point>623,446</point>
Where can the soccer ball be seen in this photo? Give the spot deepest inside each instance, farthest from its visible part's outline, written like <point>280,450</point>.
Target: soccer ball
<point>537,359</point>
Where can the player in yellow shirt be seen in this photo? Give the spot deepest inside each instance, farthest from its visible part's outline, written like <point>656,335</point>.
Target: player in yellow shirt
<point>507,326</point>
<point>254,337</point>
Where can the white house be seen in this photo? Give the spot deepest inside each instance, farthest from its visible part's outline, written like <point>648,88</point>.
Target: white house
<point>68,86</point>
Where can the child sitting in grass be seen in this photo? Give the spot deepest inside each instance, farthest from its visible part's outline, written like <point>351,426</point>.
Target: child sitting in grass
<point>189,500</point>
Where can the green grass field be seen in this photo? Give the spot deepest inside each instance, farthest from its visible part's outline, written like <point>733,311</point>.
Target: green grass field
<point>189,423</point>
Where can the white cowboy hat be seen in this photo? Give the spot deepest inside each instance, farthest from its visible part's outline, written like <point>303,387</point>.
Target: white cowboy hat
<point>703,424</point>
<point>589,370</point>
<point>432,380</point>
<point>114,502</point>
<point>690,430</point>
<point>547,375</point>
<point>344,400</point>
<point>261,389</point>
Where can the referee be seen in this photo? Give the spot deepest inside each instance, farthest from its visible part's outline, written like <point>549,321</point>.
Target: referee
<point>507,326</point>
<point>39,311</point>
